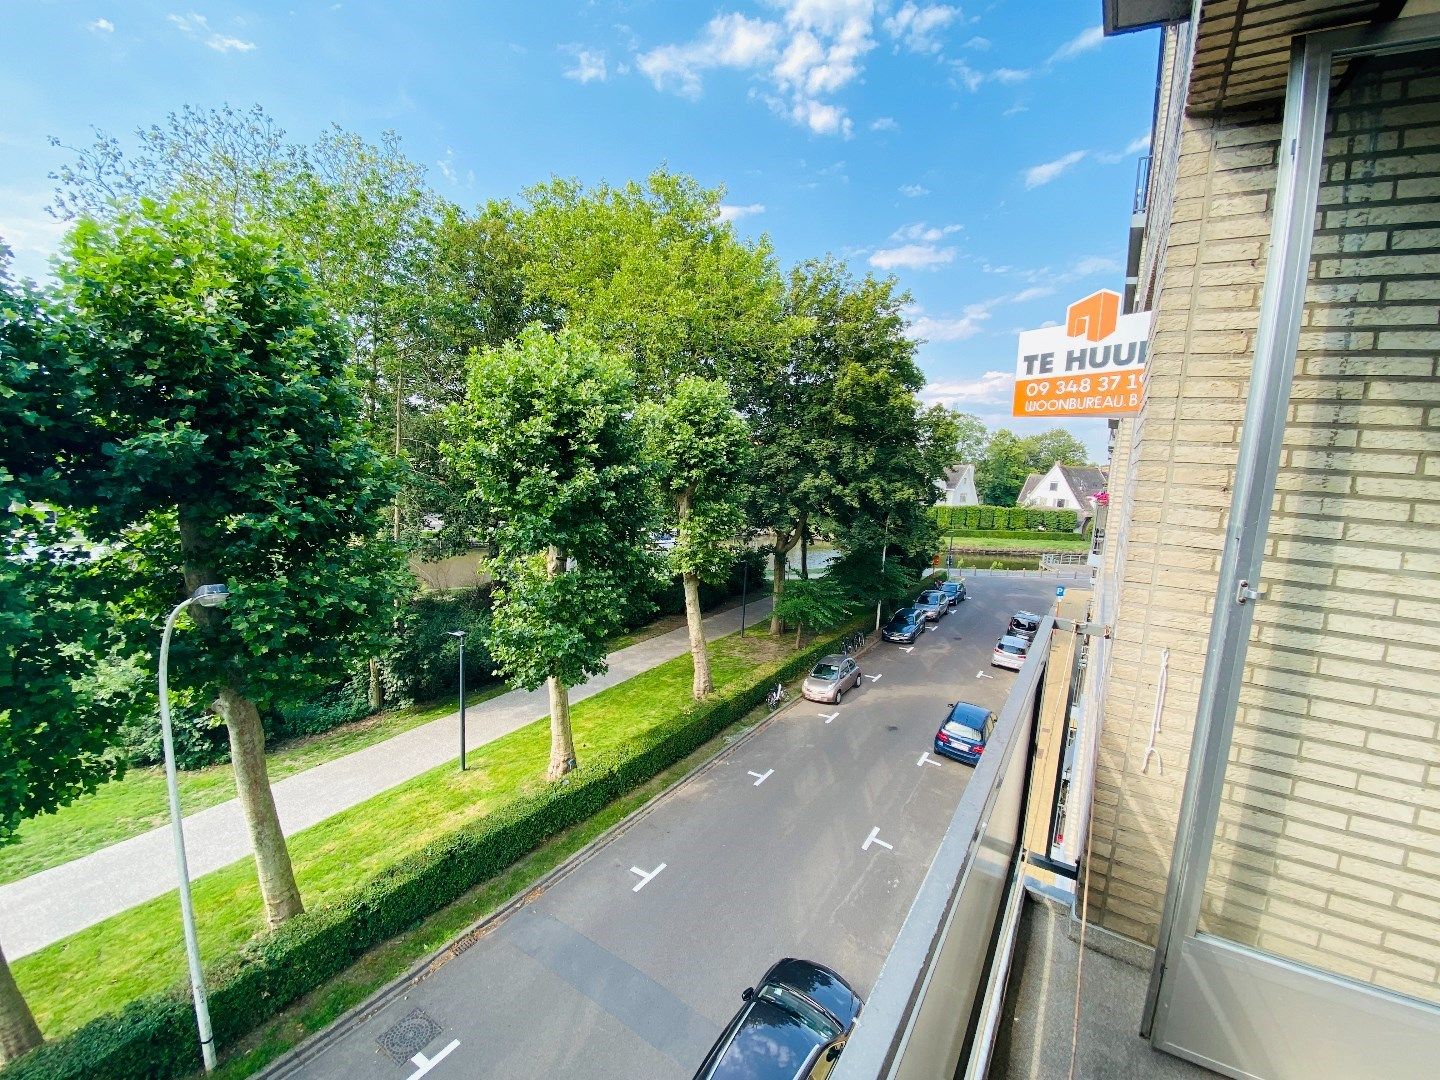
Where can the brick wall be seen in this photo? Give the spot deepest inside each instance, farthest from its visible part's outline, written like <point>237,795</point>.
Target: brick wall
<point>1328,848</point>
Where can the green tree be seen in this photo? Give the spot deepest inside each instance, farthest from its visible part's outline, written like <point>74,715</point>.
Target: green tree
<point>1001,473</point>
<point>700,450</point>
<point>230,449</point>
<point>548,438</point>
<point>971,435</point>
<point>650,272</point>
<point>819,603</point>
<point>1048,447</point>
<point>62,671</point>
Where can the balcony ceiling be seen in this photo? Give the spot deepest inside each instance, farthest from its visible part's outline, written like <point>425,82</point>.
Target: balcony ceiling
<point>1242,47</point>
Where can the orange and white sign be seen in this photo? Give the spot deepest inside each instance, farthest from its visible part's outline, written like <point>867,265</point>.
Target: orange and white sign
<point>1094,365</point>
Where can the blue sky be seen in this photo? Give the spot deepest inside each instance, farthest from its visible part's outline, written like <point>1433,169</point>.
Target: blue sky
<point>984,154</point>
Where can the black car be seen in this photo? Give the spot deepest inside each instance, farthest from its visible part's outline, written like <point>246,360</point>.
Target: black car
<point>1023,624</point>
<point>792,1026</point>
<point>905,626</point>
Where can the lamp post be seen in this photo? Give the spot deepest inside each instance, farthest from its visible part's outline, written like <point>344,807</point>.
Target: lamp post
<point>459,635</point>
<point>205,596</point>
<point>744,593</point>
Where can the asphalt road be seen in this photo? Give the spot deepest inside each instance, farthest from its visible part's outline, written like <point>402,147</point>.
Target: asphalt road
<point>619,971</point>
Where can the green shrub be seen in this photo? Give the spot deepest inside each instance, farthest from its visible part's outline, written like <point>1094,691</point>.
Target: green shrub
<point>1011,534</point>
<point>960,519</point>
<point>154,1037</point>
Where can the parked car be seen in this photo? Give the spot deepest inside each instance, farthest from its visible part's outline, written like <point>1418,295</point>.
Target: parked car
<point>830,678</point>
<point>964,733</point>
<point>954,590</point>
<point>904,626</point>
<point>791,1027</point>
<point>932,604</point>
<point>1024,624</point>
<point>1010,652</point>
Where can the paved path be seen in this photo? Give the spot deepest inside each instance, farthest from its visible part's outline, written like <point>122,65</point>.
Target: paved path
<point>809,839</point>
<point>58,902</point>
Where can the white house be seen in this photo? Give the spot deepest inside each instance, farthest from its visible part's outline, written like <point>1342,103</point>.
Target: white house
<point>958,487</point>
<point>1064,487</point>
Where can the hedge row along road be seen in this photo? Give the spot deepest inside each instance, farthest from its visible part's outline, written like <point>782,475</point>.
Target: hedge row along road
<point>631,963</point>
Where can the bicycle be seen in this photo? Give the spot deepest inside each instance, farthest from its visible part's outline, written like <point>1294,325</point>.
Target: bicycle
<point>775,697</point>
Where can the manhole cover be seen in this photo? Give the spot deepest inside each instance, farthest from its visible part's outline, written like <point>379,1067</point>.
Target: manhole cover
<point>891,727</point>
<point>409,1036</point>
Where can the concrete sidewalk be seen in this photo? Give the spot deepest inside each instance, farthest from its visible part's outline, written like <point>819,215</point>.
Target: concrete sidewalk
<point>58,902</point>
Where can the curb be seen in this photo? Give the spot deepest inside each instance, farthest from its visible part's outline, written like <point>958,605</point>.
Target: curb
<point>287,1064</point>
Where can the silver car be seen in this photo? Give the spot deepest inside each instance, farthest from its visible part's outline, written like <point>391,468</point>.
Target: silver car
<point>830,678</point>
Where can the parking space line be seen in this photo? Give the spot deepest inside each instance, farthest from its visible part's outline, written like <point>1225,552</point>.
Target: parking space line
<point>907,648</point>
<point>760,778</point>
<point>982,675</point>
<point>874,678</point>
<point>874,838</point>
<point>645,878</point>
<point>424,1064</point>
<point>827,717</point>
<point>926,759</point>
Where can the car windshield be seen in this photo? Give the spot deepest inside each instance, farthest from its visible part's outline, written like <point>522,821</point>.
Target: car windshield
<point>813,1017</point>
<point>954,727</point>
<point>1010,648</point>
<point>824,671</point>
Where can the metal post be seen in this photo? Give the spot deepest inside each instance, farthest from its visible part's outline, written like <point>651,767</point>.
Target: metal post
<point>177,831</point>
<point>462,704</point>
<point>884,552</point>
<point>744,594</point>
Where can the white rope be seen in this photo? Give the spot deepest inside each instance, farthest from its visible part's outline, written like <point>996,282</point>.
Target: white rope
<point>1155,722</point>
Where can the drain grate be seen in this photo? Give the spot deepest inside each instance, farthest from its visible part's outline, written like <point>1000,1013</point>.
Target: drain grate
<point>409,1036</point>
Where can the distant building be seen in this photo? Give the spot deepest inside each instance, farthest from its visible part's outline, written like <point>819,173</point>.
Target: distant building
<point>958,487</point>
<point>1064,487</point>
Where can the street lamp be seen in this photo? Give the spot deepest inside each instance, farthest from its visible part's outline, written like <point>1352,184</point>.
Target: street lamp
<point>205,596</point>
<point>459,635</point>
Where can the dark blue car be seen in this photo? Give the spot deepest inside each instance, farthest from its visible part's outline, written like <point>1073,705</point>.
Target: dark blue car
<point>964,733</point>
<point>907,624</point>
<point>955,590</point>
<point>793,1024</point>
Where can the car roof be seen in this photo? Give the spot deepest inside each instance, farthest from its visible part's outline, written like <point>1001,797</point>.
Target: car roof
<point>1028,616</point>
<point>834,658</point>
<point>768,1041</point>
<point>964,713</point>
<point>818,983</point>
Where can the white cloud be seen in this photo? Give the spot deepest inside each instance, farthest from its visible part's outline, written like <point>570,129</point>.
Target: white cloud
<point>928,234</point>
<point>735,213</point>
<point>1009,76</point>
<point>967,76</point>
<point>101,26</point>
<point>198,26</point>
<point>884,123</point>
<point>913,191</point>
<point>1081,42</point>
<point>590,65</point>
<point>915,27</point>
<point>32,235</point>
<point>814,51</point>
<point>1094,264</point>
<point>1043,174</point>
<point>978,43</point>
<point>1018,107</point>
<point>993,388</point>
<point>1033,293</point>
<point>912,257</point>
<point>1134,146</point>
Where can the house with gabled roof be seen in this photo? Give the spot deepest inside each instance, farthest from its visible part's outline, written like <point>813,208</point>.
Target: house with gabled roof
<point>958,487</point>
<point>1064,487</point>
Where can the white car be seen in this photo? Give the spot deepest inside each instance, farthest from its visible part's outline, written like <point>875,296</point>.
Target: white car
<point>1010,652</point>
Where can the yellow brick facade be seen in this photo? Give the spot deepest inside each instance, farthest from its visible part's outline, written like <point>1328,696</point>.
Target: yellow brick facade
<point>1328,845</point>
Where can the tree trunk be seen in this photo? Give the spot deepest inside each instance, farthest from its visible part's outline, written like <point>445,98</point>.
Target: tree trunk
<point>777,592</point>
<point>804,549</point>
<point>799,629</point>
<point>252,783</point>
<point>19,1034</point>
<point>562,739</point>
<point>377,688</point>
<point>703,684</point>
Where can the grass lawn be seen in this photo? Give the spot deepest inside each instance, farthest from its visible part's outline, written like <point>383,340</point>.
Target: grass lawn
<point>136,804</point>
<point>980,543</point>
<point>140,951</point>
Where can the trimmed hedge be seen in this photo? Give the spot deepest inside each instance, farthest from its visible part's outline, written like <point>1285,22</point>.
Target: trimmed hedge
<point>988,518</point>
<point>1010,534</point>
<point>154,1037</point>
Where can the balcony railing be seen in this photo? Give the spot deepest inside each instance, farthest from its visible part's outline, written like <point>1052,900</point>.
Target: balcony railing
<point>934,1007</point>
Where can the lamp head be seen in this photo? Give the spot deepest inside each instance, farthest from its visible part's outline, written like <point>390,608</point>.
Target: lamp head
<point>460,634</point>
<point>211,595</point>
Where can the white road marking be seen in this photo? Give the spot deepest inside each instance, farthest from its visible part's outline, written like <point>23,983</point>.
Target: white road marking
<point>982,675</point>
<point>426,1064</point>
<point>827,716</point>
<point>908,649</point>
<point>644,877</point>
<point>762,777</point>
<point>874,678</point>
<point>874,838</point>
<point>926,759</point>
